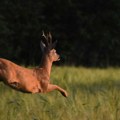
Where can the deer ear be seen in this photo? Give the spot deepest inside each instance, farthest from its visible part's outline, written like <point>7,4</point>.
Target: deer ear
<point>54,44</point>
<point>43,46</point>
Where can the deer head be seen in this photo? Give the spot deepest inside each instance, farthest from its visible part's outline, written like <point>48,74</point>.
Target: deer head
<point>48,48</point>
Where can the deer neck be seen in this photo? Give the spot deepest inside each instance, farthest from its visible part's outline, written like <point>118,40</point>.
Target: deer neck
<point>46,64</point>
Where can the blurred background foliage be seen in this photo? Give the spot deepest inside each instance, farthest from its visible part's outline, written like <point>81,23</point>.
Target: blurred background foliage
<point>88,31</point>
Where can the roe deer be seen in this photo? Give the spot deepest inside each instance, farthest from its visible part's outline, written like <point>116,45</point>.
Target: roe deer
<point>36,80</point>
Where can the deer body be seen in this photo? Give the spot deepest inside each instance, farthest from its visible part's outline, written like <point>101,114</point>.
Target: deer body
<point>19,77</point>
<point>36,80</point>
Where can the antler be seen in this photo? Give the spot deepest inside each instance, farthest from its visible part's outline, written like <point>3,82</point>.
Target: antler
<point>48,39</point>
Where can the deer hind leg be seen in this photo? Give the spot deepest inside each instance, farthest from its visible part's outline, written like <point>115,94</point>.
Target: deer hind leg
<point>14,84</point>
<point>52,87</point>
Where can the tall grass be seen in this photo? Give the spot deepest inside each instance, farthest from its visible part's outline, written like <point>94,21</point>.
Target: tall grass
<point>94,94</point>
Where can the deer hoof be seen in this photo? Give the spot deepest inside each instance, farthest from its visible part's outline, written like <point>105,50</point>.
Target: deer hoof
<point>65,94</point>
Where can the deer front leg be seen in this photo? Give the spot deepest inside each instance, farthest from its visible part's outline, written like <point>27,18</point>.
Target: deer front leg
<point>52,87</point>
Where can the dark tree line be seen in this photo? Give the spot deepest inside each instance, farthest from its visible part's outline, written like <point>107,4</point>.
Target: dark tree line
<point>87,31</point>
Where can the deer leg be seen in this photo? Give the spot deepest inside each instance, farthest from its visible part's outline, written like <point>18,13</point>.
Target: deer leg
<point>52,87</point>
<point>15,85</point>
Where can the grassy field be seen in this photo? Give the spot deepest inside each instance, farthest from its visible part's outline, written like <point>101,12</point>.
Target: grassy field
<point>94,94</point>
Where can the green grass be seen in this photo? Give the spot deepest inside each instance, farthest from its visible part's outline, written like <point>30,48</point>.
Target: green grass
<point>94,94</point>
